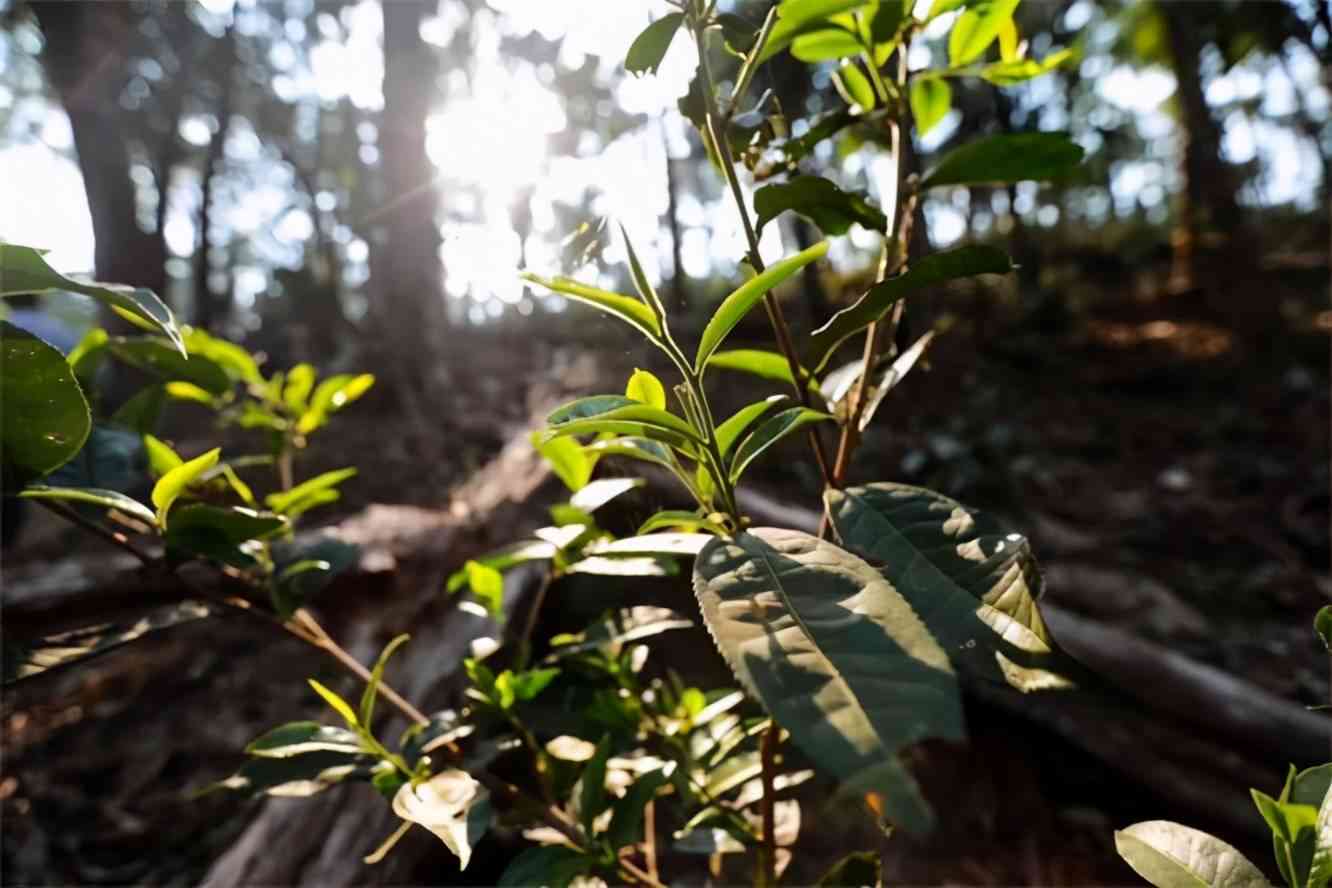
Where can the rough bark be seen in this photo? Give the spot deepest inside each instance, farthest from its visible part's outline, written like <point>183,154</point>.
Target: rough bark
<point>85,59</point>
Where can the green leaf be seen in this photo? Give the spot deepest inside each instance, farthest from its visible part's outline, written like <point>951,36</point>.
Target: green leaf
<point>765,364</point>
<point>649,47</point>
<point>887,19</point>
<point>627,309</point>
<point>646,292</point>
<point>678,520</point>
<point>975,584</point>
<point>161,458</point>
<point>300,382</point>
<point>653,544</point>
<point>1320,869</point>
<point>487,586</point>
<point>44,418</point>
<point>859,868</point>
<point>503,559</point>
<point>1022,70</point>
<point>171,485</point>
<point>527,685</point>
<point>589,795</point>
<point>567,460</point>
<point>825,45</point>
<point>107,498</point>
<point>646,389</point>
<point>234,360</point>
<point>930,271</point>
<point>889,378</point>
<point>730,431</point>
<point>88,355</point>
<point>332,395</point>
<point>1323,625</point>
<point>795,17</point>
<point>23,270</point>
<point>819,200</point>
<point>298,776</point>
<point>32,657</point>
<point>931,98</point>
<point>217,532</point>
<point>298,738</point>
<point>188,391</point>
<point>1170,855</point>
<point>770,433</point>
<point>552,865</point>
<point>1005,159</point>
<point>339,705</point>
<point>598,493</point>
<point>161,358</point>
<point>855,86</point>
<point>367,710</point>
<point>632,447</point>
<point>629,417</point>
<point>835,654</point>
<point>626,826</point>
<point>588,408</point>
<point>303,493</point>
<point>738,304</point>
<point>1293,835</point>
<point>976,28</point>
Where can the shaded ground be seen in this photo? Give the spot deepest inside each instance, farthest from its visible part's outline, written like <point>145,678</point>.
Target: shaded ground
<point>1169,460</point>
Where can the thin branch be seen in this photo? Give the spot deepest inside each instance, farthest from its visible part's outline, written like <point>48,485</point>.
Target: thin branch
<point>110,536</point>
<point>780,328</point>
<point>767,874</point>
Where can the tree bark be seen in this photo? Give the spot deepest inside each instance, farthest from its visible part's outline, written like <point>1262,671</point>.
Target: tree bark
<point>85,59</point>
<point>212,308</point>
<point>406,277</point>
<point>1208,200</point>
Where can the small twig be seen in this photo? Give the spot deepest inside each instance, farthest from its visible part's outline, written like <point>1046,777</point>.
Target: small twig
<point>525,640</point>
<point>780,328</point>
<point>650,838</point>
<point>767,874</point>
<point>111,536</point>
<point>635,872</point>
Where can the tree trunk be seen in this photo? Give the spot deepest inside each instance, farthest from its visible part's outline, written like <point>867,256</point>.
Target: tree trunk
<point>84,58</point>
<point>1207,201</point>
<point>406,277</point>
<point>212,308</point>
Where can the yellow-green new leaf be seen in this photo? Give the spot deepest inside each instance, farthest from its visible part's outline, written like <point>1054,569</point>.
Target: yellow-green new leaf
<point>835,654</point>
<point>976,28</point>
<point>646,389</point>
<point>161,458</point>
<point>627,309</point>
<point>339,705</point>
<point>738,304</point>
<point>171,485</point>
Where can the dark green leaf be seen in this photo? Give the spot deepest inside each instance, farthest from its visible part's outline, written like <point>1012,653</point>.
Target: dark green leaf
<point>738,304</point>
<point>26,659</point>
<point>887,21</point>
<point>298,738</point>
<point>109,499</point>
<point>643,449</point>
<point>1323,625</point>
<point>768,434</point>
<point>161,358</point>
<point>931,98</point>
<point>976,28</point>
<point>111,458</point>
<point>23,270</point>
<point>796,149</point>
<point>548,865</point>
<point>649,47</point>
<point>141,412</point>
<point>819,200</point>
<point>975,584</point>
<point>588,408</point>
<point>44,418</point>
<point>630,418</point>
<point>835,654</point>
<point>677,520</point>
<point>589,794</point>
<point>626,826</point>
<point>1004,159</point>
<point>730,431</point>
<point>861,868</point>
<point>927,272</point>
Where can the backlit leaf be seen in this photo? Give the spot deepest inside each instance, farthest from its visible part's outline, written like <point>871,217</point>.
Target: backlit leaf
<point>730,431</point>
<point>931,99</point>
<point>646,389</point>
<point>171,485</point>
<point>44,418</point>
<point>819,200</point>
<point>976,28</point>
<point>109,499</point>
<point>1006,158</point>
<point>1170,855</point>
<point>768,434</point>
<point>649,47</point>
<point>835,654</point>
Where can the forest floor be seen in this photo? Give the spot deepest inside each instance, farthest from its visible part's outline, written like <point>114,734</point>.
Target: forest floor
<point>1170,464</point>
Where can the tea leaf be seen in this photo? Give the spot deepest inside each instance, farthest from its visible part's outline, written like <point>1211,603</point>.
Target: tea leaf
<point>1005,159</point>
<point>1170,855</point>
<point>44,418</point>
<point>649,47</point>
